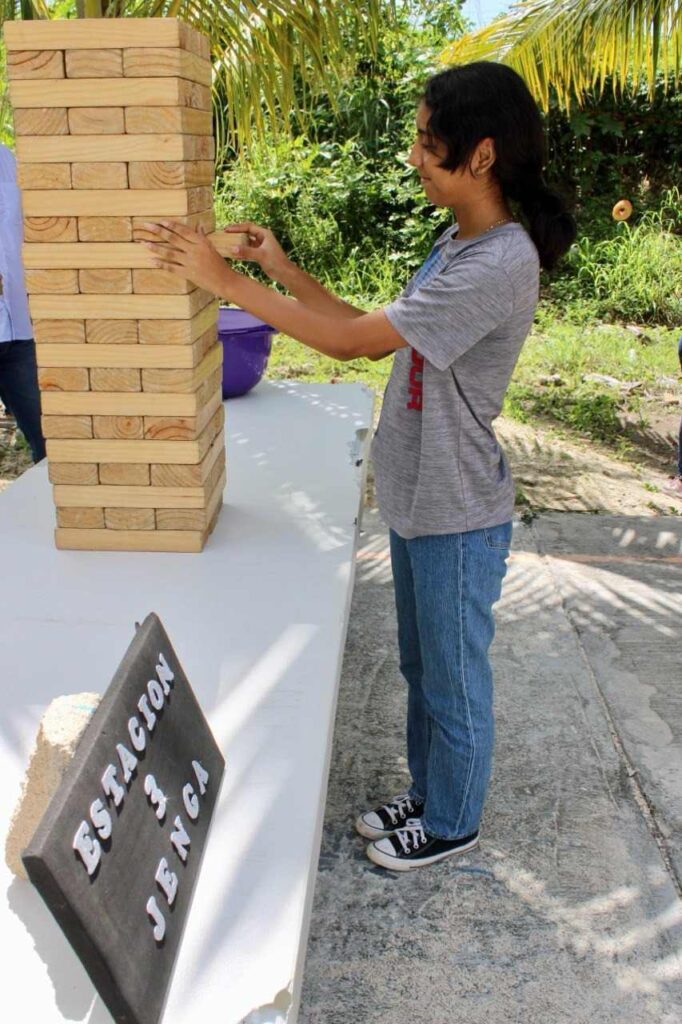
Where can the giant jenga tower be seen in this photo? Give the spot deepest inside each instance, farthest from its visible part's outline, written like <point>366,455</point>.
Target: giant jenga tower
<point>114,128</point>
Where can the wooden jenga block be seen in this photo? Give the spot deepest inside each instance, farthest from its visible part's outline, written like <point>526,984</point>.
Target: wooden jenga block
<point>50,229</point>
<point>185,120</point>
<point>154,174</point>
<point>115,380</point>
<point>160,62</point>
<point>81,474</point>
<point>181,428</point>
<point>111,92</point>
<point>118,307</point>
<point>182,475</point>
<point>157,282</point>
<point>67,426</point>
<point>130,518</point>
<point>91,175</point>
<point>204,219</point>
<point>139,356</point>
<point>65,378</point>
<point>190,150</point>
<point>111,403</point>
<point>210,386</point>
<point>105,281</point>
<point>81,518</point>
<point>41,121</point>
<point>105,229</point>
<point>144,203</point>
<point>96,121</point>
<point>91,255</point>
<point>94,63</point>
<point>182,380</point>
<point>182,452</point>
<point>42,176</point>
<point>82,34</point>
<point>189,541</point>
<point>110,332</point>
<point>178,332</point>
<point>52,282</point>
<point>131,496</point>
<point>34,64</point>
<point>124,428</point>
<point>59,332</point>
<point>191,519</point>
<point>125,474</point>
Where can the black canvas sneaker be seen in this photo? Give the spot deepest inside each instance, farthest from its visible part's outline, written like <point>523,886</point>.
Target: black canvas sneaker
<point>412,847</point>
<point>386,819</point>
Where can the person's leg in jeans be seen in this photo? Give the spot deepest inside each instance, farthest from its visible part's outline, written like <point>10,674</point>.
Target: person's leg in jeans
<point>418,722</point>
<point>457,579</point>
<point>19,391</point>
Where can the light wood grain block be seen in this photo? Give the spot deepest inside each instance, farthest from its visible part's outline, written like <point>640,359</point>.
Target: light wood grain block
<point>205,220</point>
<point>177,475</point>
<point>159,120</point>
<point>111,332</point>
<point>131,496</point>
<point>119,307</point>
<point>159,61</point>
<point>67,426</point>
<point>162,381</point>
<point>192,150</point>
<point>157,282</point>
<point>34,64</point>
<point>107,379</point>
<point>50,229</point>
<point>130,540</point>
<point>187,519</point>
<point>92,175</point>
<point>124,428</point>
<point>130,518</point>
<point>93,63</point>
<point>52,282</point>
<point>111,92</point>
<point>80,474</point>
<point>89,255</point>
<point>81,518</point>
<point>155,174</point>
<point>59,332</point>
<point>178,332</point>
<point>140,356</point>
<point>103,403</point>
<point>96,121</point>
<point>181,452</point>
<point>212,385</point>
<point>87,34</point>
<point>41,121</point>
<point>105,281</point>
<point>181,428</point>
<point>64,378</point>
<point>105,229</point>
<point>123,474</point>
<point>44,177</point>
<point>143,203</point>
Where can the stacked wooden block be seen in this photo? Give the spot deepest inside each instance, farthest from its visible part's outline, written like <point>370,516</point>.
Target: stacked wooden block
<point>114,128</point>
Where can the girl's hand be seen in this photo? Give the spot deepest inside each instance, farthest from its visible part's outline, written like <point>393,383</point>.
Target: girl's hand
<point>188,253</point>
<point>263,248</point>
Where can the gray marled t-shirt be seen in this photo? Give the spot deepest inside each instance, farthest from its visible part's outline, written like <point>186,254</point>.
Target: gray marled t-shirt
<point>465,315</point>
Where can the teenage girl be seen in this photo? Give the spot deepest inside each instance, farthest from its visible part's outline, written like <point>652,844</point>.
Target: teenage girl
<point>443,483</point>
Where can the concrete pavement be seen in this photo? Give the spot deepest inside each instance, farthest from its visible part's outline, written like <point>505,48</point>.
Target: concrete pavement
<point>570,911</point>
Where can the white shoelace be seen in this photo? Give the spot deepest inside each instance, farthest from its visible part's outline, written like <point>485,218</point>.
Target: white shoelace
<point>412,833</point>
<point>397,808</point>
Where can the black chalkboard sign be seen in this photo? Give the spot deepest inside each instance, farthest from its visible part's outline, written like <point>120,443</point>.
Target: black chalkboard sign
<point>118,851</point>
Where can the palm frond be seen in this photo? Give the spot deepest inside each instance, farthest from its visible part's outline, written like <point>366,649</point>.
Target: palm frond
<point>575,46</point>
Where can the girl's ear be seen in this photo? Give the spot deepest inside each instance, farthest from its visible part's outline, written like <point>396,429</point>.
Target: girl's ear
<point>484,157</point>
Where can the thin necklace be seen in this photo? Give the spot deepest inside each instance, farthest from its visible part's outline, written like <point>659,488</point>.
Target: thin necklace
<point>505,220</point>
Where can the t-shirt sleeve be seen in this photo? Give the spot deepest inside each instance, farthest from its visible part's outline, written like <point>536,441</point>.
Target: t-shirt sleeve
<point>455,309</point>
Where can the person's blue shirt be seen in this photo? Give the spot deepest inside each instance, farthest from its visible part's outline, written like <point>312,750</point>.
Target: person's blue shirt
<point>15,321</point>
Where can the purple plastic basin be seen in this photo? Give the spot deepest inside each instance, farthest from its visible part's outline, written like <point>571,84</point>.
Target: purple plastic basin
<point>246,344</point>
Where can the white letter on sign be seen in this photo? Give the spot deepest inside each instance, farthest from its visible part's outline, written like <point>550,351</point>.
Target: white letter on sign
<point>156,694</point>
<point>180,839</point>
<point>87,848</point>
<point>164,674</point>
<point>168,880</point>
<point>157,797</point>
<point>137,734</point>
<point>202,776</point>
<point>191,801</point>
<point>128,762</point>
<point>157,917</point>
<point>111,786</point>
<point>101,819</point>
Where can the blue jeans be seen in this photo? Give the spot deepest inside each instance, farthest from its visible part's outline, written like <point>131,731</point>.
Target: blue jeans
<point>445,588</point>
<point>19,391</point>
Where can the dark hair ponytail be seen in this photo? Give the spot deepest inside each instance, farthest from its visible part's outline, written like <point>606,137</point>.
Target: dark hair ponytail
<point>470,102</point>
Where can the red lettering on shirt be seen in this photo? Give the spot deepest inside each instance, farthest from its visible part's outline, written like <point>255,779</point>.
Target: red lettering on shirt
<point>416,381</point>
